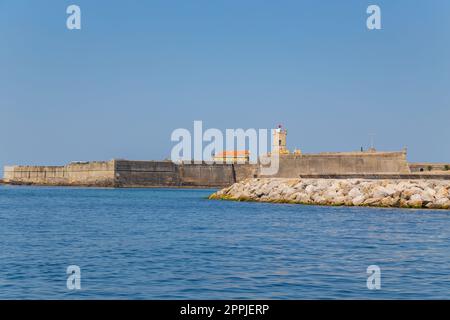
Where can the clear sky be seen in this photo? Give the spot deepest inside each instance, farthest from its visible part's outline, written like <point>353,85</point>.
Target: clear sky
<point>137,70</point>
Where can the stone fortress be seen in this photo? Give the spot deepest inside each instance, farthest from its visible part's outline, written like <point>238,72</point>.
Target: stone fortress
<point>230,167</point>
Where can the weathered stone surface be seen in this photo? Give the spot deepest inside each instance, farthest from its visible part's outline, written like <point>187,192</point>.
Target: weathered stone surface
<point>128,173</point>
<point>431,194</point>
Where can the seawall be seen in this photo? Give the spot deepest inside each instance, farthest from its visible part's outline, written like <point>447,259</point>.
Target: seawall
<point>170,174</point>
<point>335,163</point>
<point>431,194</point>
<point>146,174</point>
<point>98,173</point>
<point>429,167</point>
<point>128,173</point>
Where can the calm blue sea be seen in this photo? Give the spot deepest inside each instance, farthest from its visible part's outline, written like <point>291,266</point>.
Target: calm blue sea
<point>176,244</point>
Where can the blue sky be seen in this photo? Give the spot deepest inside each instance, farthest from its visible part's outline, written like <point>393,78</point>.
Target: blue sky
<point>140,69</point>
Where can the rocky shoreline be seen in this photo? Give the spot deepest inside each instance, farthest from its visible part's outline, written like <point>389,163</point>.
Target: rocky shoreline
<point>429,194</point>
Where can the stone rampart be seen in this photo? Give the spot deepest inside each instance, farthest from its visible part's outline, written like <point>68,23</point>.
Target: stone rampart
<point>80,174</point>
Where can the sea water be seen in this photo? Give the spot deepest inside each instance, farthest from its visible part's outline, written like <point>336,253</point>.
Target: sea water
<point>177,244</point>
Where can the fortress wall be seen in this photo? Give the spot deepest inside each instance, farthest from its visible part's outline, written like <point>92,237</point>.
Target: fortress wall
<point>89,174</point>
<point>98,173</point>
<point>292,166</point>
<point>35,174</point>
<point>245,171</point>
<point>206,175</point>
<point>125,173</point>
<point>146,173</point>
<point>427,166</point>
<point>167,173</point>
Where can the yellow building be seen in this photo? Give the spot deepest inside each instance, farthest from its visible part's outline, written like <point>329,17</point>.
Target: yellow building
<point>239,156</point>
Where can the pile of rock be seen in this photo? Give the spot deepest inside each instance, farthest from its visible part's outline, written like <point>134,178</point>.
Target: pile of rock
<point>432,194</point>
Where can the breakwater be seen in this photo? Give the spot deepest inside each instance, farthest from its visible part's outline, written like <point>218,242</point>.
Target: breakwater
<point>432,194</point>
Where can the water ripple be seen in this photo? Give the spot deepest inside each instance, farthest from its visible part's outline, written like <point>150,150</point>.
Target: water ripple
<point>175,244</point>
